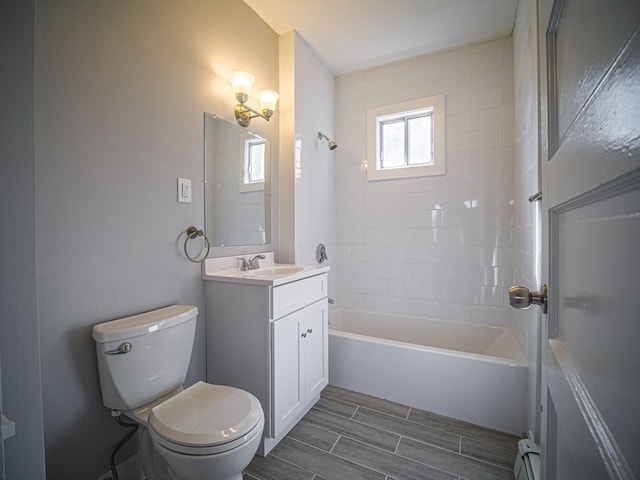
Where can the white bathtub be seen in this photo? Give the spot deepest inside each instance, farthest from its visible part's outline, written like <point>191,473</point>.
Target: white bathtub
<point>474,373</point>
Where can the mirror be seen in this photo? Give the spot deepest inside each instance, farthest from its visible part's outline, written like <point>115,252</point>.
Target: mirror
<point>237,185</point>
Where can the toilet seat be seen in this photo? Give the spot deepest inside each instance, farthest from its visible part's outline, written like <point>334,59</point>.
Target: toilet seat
<point>205,419</point>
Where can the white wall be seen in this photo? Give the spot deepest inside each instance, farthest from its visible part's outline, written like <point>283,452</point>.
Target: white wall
<point>312,164</point>
<point>527,235</point>
<point>121,91</point>
<point>435,246</point>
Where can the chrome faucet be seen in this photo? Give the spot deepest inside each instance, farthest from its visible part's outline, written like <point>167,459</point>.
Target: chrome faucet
<point>244,265</point>
<point>253,263</point>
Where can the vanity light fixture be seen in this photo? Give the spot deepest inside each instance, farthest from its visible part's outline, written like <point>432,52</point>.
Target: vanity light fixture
<point>242,83</point>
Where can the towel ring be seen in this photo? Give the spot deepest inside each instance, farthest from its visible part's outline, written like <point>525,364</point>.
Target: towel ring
<point>192,233</point>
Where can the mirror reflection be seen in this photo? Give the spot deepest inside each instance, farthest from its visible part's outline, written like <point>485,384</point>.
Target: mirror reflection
<point>237,185</point>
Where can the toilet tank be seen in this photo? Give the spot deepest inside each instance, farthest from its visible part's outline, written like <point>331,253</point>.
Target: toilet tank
<point>145,356</point>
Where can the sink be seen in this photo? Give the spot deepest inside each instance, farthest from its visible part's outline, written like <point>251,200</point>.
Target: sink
<point>275,270</point>
<point>226,269</point>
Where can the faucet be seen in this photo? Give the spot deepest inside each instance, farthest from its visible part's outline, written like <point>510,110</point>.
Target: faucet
<point>253,263</point>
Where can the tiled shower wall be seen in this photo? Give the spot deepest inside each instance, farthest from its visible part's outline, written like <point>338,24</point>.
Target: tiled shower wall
<point>527,216</point>
<point>441,246</point>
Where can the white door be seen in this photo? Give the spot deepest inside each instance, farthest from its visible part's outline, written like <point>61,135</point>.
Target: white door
<point>590,147</point>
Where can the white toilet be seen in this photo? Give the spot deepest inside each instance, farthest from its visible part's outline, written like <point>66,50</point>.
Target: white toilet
<point>203,432</point>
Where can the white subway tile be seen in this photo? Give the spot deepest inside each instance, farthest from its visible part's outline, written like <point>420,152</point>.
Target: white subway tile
<point>478,61</point>
<point>411,246</point>
<point>491,78</point>
<point>489,315</point>
<point>456,312</point>
<point>474,101</point>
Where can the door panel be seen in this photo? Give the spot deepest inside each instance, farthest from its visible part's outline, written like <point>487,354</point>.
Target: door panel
<point>583,57</point>
<point>594,334</point>
<point>591,204</point>
<point>316,349</point>
<point>287,389</point>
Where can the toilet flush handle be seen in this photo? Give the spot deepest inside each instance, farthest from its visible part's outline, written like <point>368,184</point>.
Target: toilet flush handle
<point>125,347</point>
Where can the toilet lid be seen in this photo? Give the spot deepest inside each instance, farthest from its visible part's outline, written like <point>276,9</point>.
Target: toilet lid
<point>204,416</point>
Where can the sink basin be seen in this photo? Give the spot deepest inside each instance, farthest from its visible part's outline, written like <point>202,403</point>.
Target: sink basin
<point>226,269</point>
<point>275,270</point>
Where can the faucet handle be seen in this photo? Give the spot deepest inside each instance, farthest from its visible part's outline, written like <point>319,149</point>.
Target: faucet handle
<point>253,263</point>
<point>244,265</point>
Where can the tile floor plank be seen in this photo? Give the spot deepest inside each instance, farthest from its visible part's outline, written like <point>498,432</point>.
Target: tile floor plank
<point>387,463</point>
<point>373,403</point>
<point>460,427</point>
<point>336,407</point>
<point>313,435</point>
<point>405,428</point>
<point>450,462</point>
<point>331,467</point>
<point>501,454</point>
<point>353,436</point>
<point>356,430</point>
<point>273,468</point>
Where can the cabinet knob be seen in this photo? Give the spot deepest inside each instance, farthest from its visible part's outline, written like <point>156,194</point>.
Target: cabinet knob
<point>309,330</point>
<point>304,335</point>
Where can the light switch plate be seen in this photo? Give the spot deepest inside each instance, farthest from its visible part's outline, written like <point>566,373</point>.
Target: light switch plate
<point>184,190</point>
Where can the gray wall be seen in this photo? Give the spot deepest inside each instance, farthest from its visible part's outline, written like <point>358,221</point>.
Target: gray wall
<point>19,340</point>
<point>90,216</point>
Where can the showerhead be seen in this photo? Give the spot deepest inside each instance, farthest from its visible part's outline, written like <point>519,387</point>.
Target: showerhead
<point>332,145</point>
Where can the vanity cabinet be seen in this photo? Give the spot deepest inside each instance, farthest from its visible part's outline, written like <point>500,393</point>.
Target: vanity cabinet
<point>271,340</point>
<point>299,363</point>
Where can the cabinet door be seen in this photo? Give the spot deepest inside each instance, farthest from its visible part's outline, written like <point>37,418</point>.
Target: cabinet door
<point>315,349</point>
<point>287,389</point>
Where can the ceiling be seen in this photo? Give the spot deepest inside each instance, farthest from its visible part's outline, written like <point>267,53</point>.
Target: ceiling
<point>351,35</point>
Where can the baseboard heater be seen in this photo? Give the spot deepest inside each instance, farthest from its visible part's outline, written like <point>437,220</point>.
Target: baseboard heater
<point>527,466</point>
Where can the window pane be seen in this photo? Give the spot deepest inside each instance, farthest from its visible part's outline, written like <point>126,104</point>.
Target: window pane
<point>420,141</point>
<point>256,162</point>
<point>392,135</point>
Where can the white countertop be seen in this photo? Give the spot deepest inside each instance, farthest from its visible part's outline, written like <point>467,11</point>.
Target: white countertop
<point>269,274</point>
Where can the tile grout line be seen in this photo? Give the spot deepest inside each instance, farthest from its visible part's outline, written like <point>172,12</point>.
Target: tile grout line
<point>379,470</point>
<point>372,408</point>
<point>417,423</point>
<point>334,444</point>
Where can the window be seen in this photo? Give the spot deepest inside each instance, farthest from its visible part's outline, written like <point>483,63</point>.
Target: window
<point>253,166</point>
<point>406,139</point>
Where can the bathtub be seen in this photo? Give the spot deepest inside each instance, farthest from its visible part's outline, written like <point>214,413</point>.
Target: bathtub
<point>470,372</point>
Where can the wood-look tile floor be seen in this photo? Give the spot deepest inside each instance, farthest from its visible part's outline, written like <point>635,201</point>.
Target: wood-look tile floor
<point>351,436</point>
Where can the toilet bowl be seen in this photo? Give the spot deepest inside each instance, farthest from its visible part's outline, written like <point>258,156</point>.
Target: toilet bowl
<point>203,432</point>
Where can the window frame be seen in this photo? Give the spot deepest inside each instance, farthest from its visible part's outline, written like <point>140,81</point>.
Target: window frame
<point>405,110</point>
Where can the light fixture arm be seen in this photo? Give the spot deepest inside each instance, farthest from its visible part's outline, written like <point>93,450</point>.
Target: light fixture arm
<point>244,114</point>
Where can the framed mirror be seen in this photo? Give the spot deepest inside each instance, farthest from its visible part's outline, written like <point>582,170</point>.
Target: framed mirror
<point>237,178</point>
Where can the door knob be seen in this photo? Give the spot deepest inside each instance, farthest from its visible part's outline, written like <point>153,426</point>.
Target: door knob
<point>521,297</point>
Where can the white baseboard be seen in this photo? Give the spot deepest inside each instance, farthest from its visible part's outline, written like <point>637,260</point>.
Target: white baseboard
<point>130,469</point>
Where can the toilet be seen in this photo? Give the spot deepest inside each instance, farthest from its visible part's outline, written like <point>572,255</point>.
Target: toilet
<point>203,432</point>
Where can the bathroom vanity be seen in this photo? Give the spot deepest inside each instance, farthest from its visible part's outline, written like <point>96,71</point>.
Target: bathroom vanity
<point>267,333</point>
